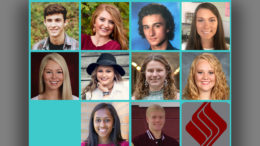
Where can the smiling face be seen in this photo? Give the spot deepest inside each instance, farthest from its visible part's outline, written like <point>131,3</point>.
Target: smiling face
<point>104,25</point>
<point>155,75</point>
<point>205,77</point>
<point>206,24</point>
<point>53,75</point>
<point>154,28</point>
<point>103,123</point>
<point>155,120</point>
<point>55,25</point>
<point>105,75</point>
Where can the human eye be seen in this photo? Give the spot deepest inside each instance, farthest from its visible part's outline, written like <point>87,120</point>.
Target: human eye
<point>107,120</point>
<point>145,27</point>
<point>102,19</point>
<point>200,20</point>
<point>98,120</point>
<point>211,72</point>
<point>111,22</point>
<point>100,70</point>
<point>199,72</point>
<point>157,25</point>
<point>212,20</point>
<point>58,20</point>
<point>49,20</point>
<point>59,71</point>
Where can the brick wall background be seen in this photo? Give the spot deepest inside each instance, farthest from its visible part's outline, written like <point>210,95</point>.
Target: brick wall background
<point>122,109</point>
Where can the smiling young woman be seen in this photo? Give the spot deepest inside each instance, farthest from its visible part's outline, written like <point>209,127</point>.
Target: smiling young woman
<point>107,28</point>
<point>155,80</point>
<point>206,79</point>
<point>106,80</point>
<point>54,79</point>
<point>104,127</point>
<point>207,32</point>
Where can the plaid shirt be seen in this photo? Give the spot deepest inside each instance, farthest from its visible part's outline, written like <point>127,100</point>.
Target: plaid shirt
<point>69,44</point>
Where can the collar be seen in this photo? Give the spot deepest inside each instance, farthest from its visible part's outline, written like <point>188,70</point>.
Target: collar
<point>169,47</point>
<point>67,42</point>
<point>151,137</point>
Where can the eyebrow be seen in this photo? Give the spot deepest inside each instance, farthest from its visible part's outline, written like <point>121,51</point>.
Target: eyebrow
<point>153,24</point>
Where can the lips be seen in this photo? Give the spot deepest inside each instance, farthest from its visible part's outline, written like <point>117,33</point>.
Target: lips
<point>205,82</point>
<point>54,83</point>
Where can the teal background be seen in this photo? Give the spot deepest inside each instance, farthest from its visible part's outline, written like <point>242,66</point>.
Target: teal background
<point>54,123</point>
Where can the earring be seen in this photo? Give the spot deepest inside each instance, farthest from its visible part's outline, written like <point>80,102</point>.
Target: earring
<point>146,83</point>
<point>165,82</point>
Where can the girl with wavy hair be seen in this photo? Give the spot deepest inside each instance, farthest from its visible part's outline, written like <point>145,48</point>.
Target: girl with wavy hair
<point>107,28</point>
<point>54,79</point>
<point>206,80</point>
<point>155,81</point>
<point>207,31</point>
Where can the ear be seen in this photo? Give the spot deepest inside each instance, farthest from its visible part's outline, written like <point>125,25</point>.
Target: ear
<point>66,22</point>
<point>44,22</point>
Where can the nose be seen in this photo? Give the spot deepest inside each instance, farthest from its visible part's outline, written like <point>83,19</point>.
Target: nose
<point>206,24</point>
<point>155,73</point>
<point>53,75</point>
<point>205,76</point>
<point>102,123</point>
<point>151,31</point>
<point>106,23</point>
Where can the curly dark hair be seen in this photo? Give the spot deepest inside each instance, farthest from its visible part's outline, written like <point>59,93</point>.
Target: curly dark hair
<point>155,8</point>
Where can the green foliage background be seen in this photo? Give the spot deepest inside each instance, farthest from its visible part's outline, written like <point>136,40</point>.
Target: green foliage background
<point>38,29</point>
<point>87,8</point>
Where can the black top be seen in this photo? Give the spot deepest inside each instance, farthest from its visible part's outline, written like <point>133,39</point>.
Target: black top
<point>55,47</point>
<point>147,139</point>
<point>169,47</point>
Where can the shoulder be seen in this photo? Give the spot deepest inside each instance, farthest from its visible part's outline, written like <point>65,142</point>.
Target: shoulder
<point>124,143</point>
<point>183,46</point>
<point>35,98</point>
<point>85,37</point>
<point>171,140</point>
<point>124,83</point>
<point>39,45</point>
<point>71,41</point>
<point>170,47</point>
<point>83,143</point>
<point>139,138</point>
<point>94,95</point>
<point>75,97</point>
<point>114,45</point>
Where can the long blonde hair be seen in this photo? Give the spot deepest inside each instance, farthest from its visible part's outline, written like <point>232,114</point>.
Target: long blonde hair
<point>119,33</point>
<point>169,91</point>
<point>220,91</point>
<point>65,88</point>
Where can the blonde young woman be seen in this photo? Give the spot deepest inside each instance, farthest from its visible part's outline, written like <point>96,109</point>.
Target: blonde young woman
<point>107,28</point>
<point>54,79</point>
<point>155,81</point>
<point>206,80</point>
<point>207,32</point>
<point>106,80</point>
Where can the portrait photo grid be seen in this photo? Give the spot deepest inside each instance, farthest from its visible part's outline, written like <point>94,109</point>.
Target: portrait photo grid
<point>131,55</point>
